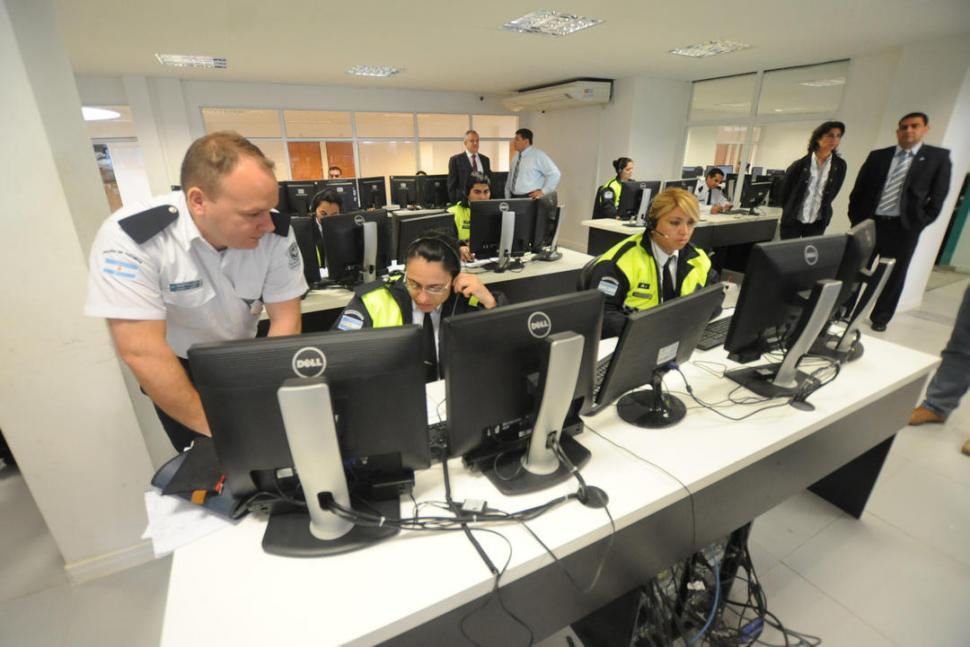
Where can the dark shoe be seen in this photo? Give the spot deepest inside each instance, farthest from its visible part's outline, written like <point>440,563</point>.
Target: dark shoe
<point>966,448</point>
<point>921,415</point>
<point>878,326</point>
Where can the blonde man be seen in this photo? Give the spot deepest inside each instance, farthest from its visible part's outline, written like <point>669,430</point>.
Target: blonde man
<point>196,265</point>
<point>654,266</point>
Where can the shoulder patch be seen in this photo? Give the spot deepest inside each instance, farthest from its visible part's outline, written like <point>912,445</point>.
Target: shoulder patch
<point>608,195</point>
<point>608,286</point>
<point>282,222</point>
<point>142,226</point>
<point>350,320</point>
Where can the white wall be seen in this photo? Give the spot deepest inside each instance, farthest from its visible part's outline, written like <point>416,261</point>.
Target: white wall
<point>64,408</point>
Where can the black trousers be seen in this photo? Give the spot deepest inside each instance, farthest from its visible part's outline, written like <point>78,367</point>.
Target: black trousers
<point>796,229</point>
<point>892,241</point>
<point>178,434</point>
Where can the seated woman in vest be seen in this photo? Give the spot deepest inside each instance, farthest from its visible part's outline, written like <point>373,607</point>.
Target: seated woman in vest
<point>657,265</point>
<point>477,187</point>
<point>607,199</point>
<point>433,287</point>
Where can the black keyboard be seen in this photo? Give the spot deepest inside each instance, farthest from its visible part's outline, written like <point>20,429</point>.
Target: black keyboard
<point>714,334</point>
<point>602,366</point>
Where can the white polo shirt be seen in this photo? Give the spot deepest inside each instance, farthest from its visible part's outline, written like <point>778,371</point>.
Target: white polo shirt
<point>709,197</point>
<point>175,275</point>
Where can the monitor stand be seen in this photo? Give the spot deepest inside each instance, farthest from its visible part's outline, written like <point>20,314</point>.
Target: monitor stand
<point>505,261</point>
<point>651,408</point>
<point>847,347</point>
<point>308,419</point>
<point>550,253</point>
<point>369,261</point>
<point>538,467</point>
<point>774,381</point>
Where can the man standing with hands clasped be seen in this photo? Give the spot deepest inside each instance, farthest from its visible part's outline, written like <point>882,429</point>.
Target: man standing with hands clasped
<point>902,188</point>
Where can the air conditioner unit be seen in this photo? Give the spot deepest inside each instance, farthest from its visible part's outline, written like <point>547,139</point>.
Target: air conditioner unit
<point>562,96</point>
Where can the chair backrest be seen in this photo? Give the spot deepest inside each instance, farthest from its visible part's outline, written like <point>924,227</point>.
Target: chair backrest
<point>582,279</point>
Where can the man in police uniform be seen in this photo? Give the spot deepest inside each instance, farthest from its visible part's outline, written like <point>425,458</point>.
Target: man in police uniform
<point>655,266</point>
<point>196,266</point>
<point>433,287</point>
<point>709,194</point>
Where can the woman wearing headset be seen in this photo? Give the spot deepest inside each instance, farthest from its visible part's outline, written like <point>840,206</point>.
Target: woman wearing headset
<point>655,266</point>
<point>477,187</point>
<point>607,199</point>
<point>433,287</point>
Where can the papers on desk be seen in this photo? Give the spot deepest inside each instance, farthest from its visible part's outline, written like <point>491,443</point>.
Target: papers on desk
<point>174,522</point>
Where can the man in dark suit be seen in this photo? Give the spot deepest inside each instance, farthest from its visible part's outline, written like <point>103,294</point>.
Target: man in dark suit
<point>460,166</point>
<point>902,188</point>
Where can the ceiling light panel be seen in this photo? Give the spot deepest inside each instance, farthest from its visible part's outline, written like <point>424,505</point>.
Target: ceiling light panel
<point>550,23</point>
<point>374,70</point>
<point>710,48</point>
<point>188,60</point>
<point>824,83</point>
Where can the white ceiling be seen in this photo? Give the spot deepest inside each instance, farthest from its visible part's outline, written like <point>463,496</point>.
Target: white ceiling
<point>457,44</point>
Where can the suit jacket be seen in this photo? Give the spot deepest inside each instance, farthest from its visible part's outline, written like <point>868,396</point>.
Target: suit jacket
<point>459,168</point>
<point>796,183</point>
<point>924,188</point>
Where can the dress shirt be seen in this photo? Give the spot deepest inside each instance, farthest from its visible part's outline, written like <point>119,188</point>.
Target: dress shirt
<point>702,192</point>
<point>816,187</point>
<point>536,171</point>
<point>897,159</point>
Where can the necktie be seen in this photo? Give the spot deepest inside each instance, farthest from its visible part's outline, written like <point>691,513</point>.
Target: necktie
<point>474,163</point>
<point>668,281</point>
<point>515,174</point>
<point>429,353</point>
<point>709,192</point>
<point>889,202</point>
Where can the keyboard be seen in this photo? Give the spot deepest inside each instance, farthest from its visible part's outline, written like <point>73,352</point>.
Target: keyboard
<point>714,334</point>
<point>599,374</point>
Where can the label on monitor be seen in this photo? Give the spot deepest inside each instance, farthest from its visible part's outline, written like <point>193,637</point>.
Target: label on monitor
<point>667,353</point>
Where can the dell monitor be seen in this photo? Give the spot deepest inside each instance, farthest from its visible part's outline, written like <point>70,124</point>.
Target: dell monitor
<point>533,375</point>
<point>546,236</point>
<point>433,191</point>
<point>330,426</point>
<point>345,188</point>
<point>306,233</point>
<point>498,181</point>
<point>408,228</point>
<point>772,311</point>
<point>635,199</point>
<point>850,308</point>
<point>404,190</point>
<point>688,184</point>
<point>282,203</point>
<point>502,229</point>
<point>372,192</point>
<point>299,195</point>
<point>754,194</point>
<point>652,341</point>
<point>357,246</point>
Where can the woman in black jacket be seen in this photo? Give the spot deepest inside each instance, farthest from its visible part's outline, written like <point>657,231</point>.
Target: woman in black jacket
<point>812,182</point>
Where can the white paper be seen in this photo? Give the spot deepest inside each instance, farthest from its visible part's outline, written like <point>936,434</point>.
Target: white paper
<point>174,522</point>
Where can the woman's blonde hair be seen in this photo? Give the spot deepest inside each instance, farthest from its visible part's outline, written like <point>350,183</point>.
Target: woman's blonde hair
<point>671,199</point>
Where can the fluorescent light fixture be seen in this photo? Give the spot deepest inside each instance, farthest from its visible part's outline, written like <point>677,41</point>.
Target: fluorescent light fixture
<point>188,60</point>
<point>374,70</point>
<point>550,23</point>
<point>824,83</point>
<point>710,48</point>
<point>98,114</point>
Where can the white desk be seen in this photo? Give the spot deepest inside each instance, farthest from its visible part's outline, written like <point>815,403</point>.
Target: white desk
<point>712,231</point>
<point>415,589</point>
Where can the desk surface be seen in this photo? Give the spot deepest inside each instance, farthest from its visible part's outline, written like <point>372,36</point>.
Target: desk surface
<point>707,220</point>
<point>318,300</point>
<point>220,582</point>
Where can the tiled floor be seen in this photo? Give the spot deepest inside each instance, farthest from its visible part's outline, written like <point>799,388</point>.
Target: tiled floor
<point>899,576</point>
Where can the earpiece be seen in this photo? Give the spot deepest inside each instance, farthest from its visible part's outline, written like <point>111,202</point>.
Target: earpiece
<point>315,202</point>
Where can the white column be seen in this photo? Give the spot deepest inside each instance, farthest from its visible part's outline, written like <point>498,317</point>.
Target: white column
<point>146,129</point>
<point>66,413</point>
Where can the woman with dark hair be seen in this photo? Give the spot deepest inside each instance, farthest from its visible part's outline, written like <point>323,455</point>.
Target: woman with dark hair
<point>477,187</point>
<point>608,196</point>
<point>433,287</point>
<point>812,182</point>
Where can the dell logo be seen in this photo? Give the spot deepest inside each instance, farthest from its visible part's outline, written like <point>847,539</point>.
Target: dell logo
<point>539,325</point>
<point>811,254</point>
<point>503,206</point>
<point>359,220</point>
<point>309,362</point>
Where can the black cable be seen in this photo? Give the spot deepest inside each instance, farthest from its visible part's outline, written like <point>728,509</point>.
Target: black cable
<point>710,407</point>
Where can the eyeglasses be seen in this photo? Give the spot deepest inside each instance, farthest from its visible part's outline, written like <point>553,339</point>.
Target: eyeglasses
<point>433,290</point>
